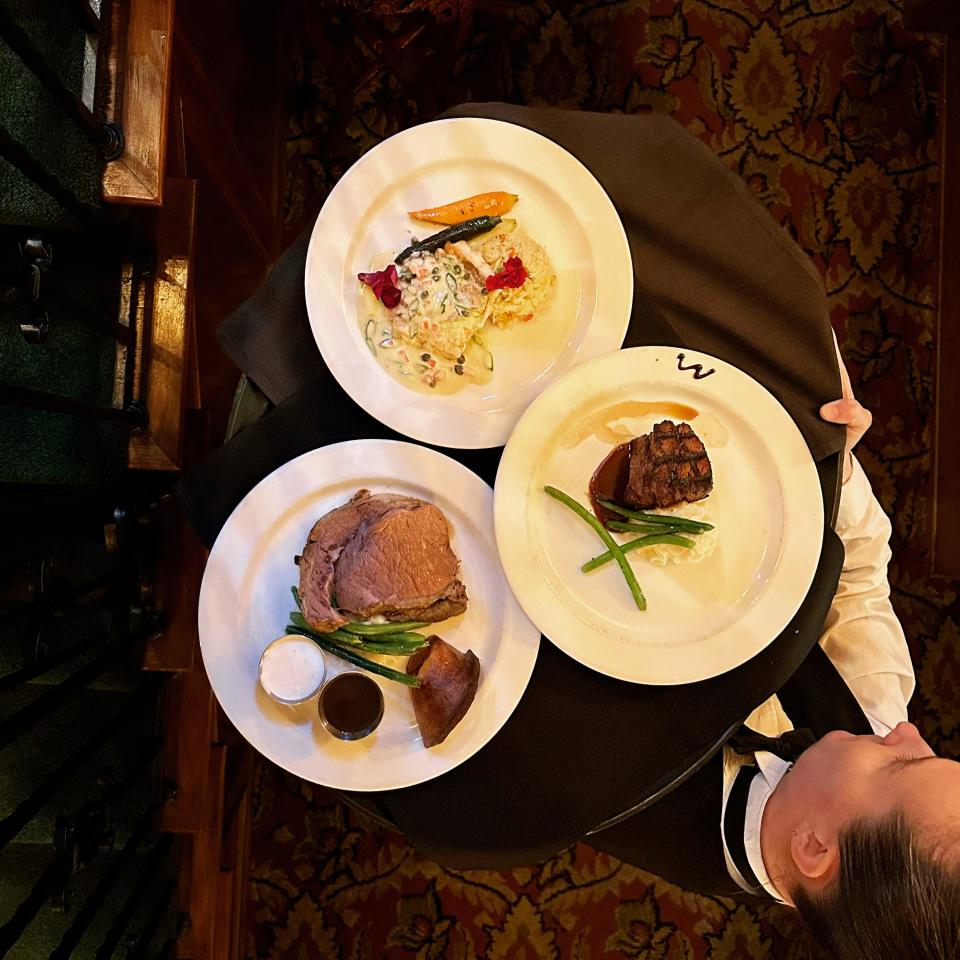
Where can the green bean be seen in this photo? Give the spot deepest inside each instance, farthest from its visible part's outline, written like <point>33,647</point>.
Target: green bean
<point>375,629</point>
<point>398,637</point>
<point>604,535</point>
<point>413,640</point>
<point>651,528</point>
<point>683,523</point>
<point>346,653</point>
<point>405,637</point>
<point>647,541</point>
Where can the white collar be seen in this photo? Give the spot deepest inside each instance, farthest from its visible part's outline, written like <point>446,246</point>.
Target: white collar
<point>771,771</point>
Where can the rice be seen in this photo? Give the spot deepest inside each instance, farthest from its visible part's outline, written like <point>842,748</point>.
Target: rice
<point>704,543</point>
<point>512,305</point>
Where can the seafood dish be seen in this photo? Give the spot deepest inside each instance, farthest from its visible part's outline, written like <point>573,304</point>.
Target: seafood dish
<point>423,313</point>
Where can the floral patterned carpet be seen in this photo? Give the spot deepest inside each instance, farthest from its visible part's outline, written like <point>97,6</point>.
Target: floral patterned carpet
<point>828,110</point>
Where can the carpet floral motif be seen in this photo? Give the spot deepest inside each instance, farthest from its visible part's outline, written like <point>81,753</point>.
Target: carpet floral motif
<point>828,111</point>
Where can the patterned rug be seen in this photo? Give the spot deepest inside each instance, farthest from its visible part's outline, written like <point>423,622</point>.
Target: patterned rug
<point>828,110</point>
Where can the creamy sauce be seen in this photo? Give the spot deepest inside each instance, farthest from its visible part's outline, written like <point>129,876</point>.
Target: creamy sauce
<point>603,424</point>
<point>292,669</point>
<point>417,369</point>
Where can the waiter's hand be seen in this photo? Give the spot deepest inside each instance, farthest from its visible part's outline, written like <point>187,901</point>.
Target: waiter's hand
<point>848,411</point>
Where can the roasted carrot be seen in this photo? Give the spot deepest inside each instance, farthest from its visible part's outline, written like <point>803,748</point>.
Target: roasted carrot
<point>493,204</point>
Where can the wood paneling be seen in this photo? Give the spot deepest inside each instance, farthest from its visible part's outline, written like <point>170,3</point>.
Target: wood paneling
<point>139,69</point>
<point>163,378</point>
<point>220,216</point>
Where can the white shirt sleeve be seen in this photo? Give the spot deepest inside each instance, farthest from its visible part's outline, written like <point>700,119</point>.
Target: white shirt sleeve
<point>862,636</point>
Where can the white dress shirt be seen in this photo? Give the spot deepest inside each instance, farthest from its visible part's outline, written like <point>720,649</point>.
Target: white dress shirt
<point>864,641</point>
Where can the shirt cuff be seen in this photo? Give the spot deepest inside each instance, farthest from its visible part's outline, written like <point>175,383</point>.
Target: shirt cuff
<point>855,497</point>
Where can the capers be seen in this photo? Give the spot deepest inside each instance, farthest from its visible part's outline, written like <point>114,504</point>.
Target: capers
<point>424,357</point>
<point>458,369</point>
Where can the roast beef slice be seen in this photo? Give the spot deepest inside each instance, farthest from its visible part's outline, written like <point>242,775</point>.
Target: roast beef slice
<point>399,565</point>
<point>384,554</point>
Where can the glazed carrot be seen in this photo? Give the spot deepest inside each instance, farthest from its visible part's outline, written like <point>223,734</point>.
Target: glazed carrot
<point>493,204</point>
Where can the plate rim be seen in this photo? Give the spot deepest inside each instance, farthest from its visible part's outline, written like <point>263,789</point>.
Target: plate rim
<point>505,515</point>
<point>451,437</point>
<point>514,614</point>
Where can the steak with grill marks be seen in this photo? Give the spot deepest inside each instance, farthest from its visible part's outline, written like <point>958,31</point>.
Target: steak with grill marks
<point>667,466</point>
<point>383,554</point>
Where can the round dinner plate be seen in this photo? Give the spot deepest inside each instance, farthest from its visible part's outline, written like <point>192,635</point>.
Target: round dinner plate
<point>245,601</point>
<point>561,205</point>
<point>702,618</point>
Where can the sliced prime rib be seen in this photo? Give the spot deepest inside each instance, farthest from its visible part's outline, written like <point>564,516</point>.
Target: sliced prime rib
<point>448,684</point>
<point>667,466</point>
<point>381,554</point>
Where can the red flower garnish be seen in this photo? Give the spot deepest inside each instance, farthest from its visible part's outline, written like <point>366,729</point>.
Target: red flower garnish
<point>514,274</point>
<point>384,285</point>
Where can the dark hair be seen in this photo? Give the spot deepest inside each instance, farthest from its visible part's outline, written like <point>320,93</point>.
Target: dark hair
<point>894,897</point>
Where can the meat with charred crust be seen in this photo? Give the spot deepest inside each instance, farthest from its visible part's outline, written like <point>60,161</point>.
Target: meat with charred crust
<point>667,466</point>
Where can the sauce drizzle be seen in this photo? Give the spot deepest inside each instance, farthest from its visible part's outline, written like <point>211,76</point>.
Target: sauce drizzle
<point>609,481</point>
<point>697,368</point>
<point>603,424</point>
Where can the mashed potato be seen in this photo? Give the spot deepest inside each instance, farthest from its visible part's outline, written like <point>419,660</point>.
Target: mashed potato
<point>704,543</point>
<point>512,305</point>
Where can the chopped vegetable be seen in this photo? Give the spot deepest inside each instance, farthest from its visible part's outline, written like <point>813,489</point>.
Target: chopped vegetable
<point>384,285</point>
<point>461,231</point>
<point>683,523</point>
<point>611,544</point>
<point>495,203</point>
<point>647,541</point>
<point>514,274</point>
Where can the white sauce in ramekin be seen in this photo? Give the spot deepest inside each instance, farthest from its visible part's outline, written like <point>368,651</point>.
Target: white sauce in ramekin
<point>292,669</point>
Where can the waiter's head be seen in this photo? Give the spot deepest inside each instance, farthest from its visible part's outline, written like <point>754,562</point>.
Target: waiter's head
<point>866,841</point>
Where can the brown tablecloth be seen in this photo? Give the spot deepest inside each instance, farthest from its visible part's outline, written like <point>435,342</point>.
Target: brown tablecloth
<point>713,273</point>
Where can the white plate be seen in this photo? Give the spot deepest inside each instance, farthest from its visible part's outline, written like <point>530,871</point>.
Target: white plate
<point>245,601</point>
<point>561,205</point>
<point>702,619</point>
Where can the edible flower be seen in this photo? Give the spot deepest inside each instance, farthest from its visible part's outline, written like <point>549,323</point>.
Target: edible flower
<point>514,274</point>
<point>384,285</point>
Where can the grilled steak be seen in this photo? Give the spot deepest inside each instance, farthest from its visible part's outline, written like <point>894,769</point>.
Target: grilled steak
<point>667,467</point>
<point>380,554</point>
<point>448,684</point>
